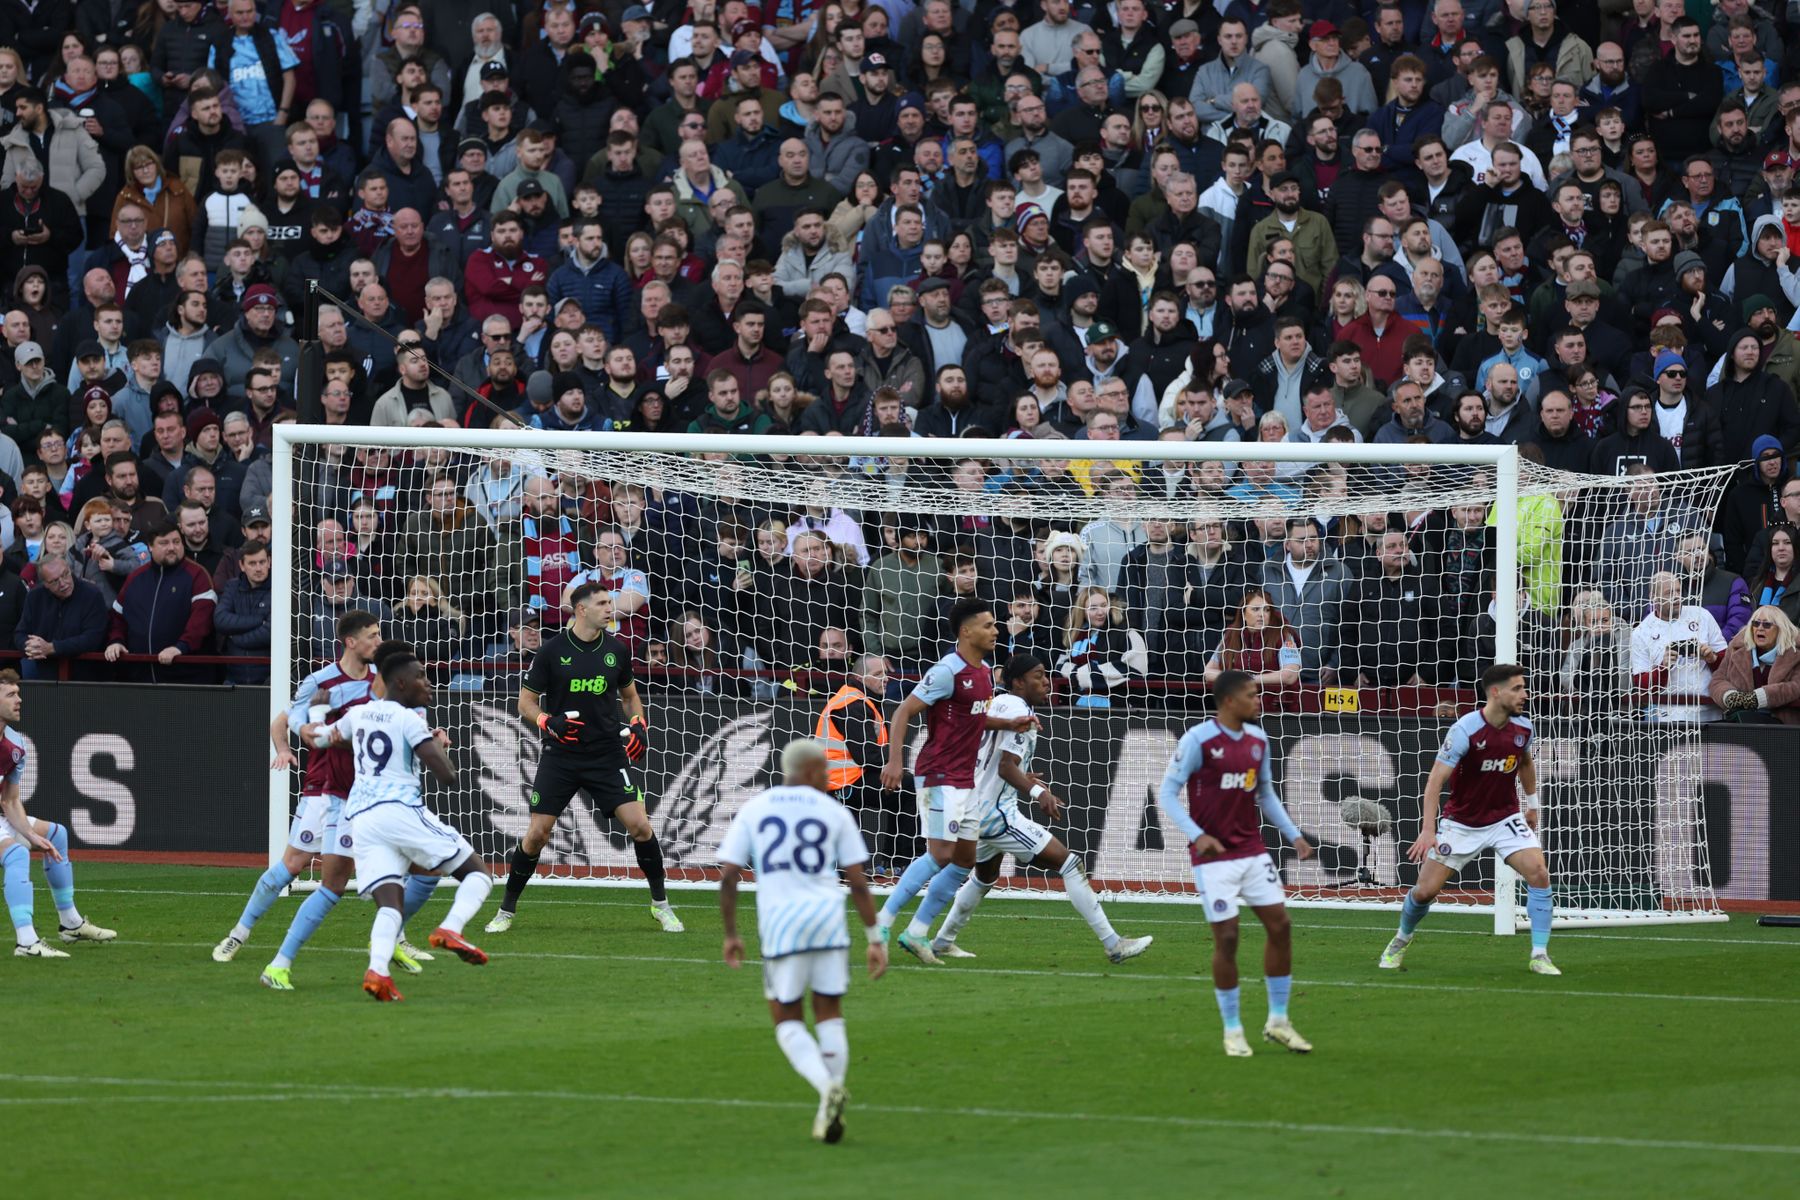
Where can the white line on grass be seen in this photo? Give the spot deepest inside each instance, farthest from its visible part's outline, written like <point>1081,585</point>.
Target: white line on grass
<point>1660,934</point>
<point>236,1091</point>
<point>1545,992</point>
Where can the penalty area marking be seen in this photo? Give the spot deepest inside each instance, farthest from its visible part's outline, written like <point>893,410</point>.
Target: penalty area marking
<point>214,1091</point>
<point>1546,992</point>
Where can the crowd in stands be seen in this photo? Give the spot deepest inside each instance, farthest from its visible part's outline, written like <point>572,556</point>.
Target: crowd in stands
<point>1568,227</point>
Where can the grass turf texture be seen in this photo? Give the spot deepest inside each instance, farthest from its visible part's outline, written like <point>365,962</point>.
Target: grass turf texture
<point>598,1055</point>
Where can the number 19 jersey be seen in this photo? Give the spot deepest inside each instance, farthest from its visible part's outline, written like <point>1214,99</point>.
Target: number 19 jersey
<point>796,839</point>
<point>382,735</point>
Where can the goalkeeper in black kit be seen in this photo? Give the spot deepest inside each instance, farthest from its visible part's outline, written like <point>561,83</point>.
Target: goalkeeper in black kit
<point>581,696</point>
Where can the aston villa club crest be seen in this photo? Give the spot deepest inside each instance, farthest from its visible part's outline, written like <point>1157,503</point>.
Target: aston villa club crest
<point>1256,753</point>
<point>1444,849</point>
<point>1519,739</point>
<point>306,835</point>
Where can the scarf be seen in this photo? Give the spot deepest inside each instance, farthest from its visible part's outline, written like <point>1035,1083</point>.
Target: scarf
<point>139,261</point>
<point>74,99</point>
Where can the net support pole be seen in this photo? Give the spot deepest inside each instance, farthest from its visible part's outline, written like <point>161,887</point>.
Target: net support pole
<point>281,623</point>
<point>1506,641</point>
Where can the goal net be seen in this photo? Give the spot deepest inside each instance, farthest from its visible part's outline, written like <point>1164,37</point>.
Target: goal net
<point>757,579</point>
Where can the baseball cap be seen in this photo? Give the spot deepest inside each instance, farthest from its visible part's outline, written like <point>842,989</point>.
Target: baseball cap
<point>875,61</point>
<point>528,616</point>
<point>530,188</point>
<point>1321,29</point>
<point>1182,28</point>
<point>256,515</point>
<point>258,295</point>
<point>27,352</point>
<point>1282,177</point>
<point>493,68</point>
<point>1101,331</point>
<point>91,348</point>
<point>1777,160</point>
<point>1235,387</point>
<point>335,568</point>
<point>743,58</point>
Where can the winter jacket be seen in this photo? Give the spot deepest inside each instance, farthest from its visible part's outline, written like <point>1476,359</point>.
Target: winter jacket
<point>242,622</point>
<point>843,160</point>
<point>1574,60</point>
<point>173,209</point>
<point>127,556</point>
<point>440,261</point>
<point>76,168</point>
<point>1213,82</point>
<point>1400,127</point>
<point>1748,408</point>
<point>902,371</point>
<point>601,288</point>
<point>391,409</point>
<point>796,276</point>
<point>216,225</point>
<point>1274,48</point>
<point>1736,672</point>
<point>236,350</point>
<point>1312,610</point>
<point>1359,89</point>
<point>74,626</point>
<point>181,47</point>
<point>492,284</point>
<point>181,351</point>
<point>163,606</point>
<point>25,413</point>
<point>1315,246</point>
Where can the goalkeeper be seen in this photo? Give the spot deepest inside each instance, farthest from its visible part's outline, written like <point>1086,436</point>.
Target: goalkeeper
<point>581,696</point>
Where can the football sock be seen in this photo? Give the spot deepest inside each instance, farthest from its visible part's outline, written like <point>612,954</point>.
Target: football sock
<point>834,1047</point>
<point>918,873</point>
<point>1280,986</point>
<point>16,866</point>
<point>1537,904</point>
<point>418,890</point>
<point>1228,1007</point>
<point>650,861</point>
<point>471,894</point>
<point>306,923</point>
<point>937,898</point>
<point>524,866</point>
<point>1081,894</point>
<point>803,1053</point>
<point>61,877</point>
<point>968,898</point>
<point>382,939</point>
<point>262,898</point>
<point>1411,913</point>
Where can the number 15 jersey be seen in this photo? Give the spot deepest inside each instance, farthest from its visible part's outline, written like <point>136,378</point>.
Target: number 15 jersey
<point>796,839</point>
<point>382,735</point>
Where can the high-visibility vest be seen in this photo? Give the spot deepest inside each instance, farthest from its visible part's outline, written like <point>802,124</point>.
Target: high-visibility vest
<point>844,769</point>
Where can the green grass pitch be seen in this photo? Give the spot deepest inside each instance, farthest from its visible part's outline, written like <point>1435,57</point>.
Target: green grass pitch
<point>598,1056</point>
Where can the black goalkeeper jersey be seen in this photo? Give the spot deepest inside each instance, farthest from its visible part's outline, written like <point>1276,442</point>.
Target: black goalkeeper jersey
<point>570,675</point>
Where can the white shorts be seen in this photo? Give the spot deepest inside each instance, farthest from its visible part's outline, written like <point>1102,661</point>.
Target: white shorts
<point>1457,844</point>
<point>1228,882</point>
<point>1011,833</point>
<point>391,839</point>
<point>947,814</point>
<point>315,827</point>
<point>8,833</point>
<point>821,972</point>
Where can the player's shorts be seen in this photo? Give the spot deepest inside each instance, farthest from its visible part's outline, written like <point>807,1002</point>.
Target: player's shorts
<point>607,782</point>
<point>1457,843</point>
<point>8,833</point>
<point>947,814</point>
<point>821,972</point>
<point>1225,883</point>
<point>1011,833</point>
<point>317,829</point>
<point>391,839</point>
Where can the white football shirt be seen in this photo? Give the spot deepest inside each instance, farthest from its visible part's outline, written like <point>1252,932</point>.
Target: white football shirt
<point>994,797</point>
<point>796,839</point>
<point>382,735</point>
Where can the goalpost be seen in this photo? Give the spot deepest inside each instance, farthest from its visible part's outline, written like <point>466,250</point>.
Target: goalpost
<point>763,557</point>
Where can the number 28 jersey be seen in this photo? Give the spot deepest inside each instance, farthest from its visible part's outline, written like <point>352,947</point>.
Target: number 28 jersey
<point>382,735</point>
<point>796,839</point>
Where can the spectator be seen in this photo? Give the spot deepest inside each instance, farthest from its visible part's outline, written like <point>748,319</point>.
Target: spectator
<point>1720,592</point>
<point>1103,653</point>
<point>694,663</point>
<point>1774,583</point>
<point>1594,666</point>
<point>629,585</point>
<point>61,618</point>
<point>337,593</point>
<point>415,391</point>
<point>1757,680</point>
<point>1259,640</point>
<point>426,617</point>
<point>1673,652</point>
<point>810,592</point>
<point>165,610</point>
<point>898,592</point>
<point>1309,591</point>
<point>1389,619</point>
<point>242,618</point>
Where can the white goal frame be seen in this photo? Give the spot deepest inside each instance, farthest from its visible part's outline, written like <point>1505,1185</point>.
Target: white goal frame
<point>1503,460</point>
